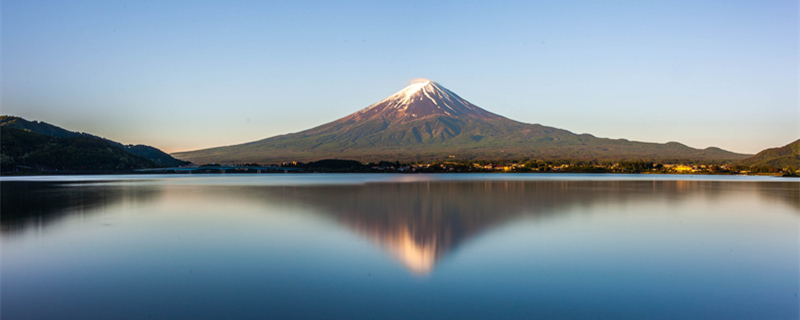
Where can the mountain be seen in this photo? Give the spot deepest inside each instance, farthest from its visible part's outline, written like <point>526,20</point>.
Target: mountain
<point>148,152</point>
<point>25,150</point>
<point>426,121</point>
<point>783,157</point>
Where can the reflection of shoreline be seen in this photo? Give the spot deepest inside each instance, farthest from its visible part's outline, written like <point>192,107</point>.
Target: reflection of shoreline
<point>788,192</point>
<point>418,222</point>
<point>26,205</point>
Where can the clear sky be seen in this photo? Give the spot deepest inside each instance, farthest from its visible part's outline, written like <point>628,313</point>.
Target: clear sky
<point>184,75</point>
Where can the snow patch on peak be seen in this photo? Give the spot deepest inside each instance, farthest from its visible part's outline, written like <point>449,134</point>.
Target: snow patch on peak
<point>403,97</point>
<point>423,97</point>
<point>414,87</point>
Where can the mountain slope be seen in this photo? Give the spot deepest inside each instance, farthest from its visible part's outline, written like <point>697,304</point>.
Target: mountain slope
<point>425,121</point>
<point>22,149</point>
<point>786,156</point>
<point>148,152</point>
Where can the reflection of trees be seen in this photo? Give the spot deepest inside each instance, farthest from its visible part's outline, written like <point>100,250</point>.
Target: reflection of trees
<point>787,192</point>
<point>29,204</point>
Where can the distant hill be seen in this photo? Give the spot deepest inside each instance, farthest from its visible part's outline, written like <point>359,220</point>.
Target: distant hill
<point>426,121</point>
<point>148,152</point>
<point>20,149</point>
<point>783,157</point>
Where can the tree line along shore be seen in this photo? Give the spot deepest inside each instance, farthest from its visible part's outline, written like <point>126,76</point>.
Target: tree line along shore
<point>481,166</point>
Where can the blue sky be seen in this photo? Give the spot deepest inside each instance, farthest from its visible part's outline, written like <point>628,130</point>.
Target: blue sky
<point>184,75</point>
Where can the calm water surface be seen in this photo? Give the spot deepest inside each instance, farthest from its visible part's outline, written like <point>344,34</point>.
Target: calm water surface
<point>471,246</point>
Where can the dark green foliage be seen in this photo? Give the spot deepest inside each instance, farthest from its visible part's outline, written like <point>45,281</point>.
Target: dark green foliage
<point>39,127</point>
<point>584,168</point>
<point>636,166</point>
<point>783,157</point>
<point>755,169</point>
<point>389,164</point>
<point>32,151</point>
<point>334,165</point>
<point>153,154</point>
<point>47,129</point>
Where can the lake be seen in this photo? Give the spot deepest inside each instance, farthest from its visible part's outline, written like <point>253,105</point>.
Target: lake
<point>394,246</point>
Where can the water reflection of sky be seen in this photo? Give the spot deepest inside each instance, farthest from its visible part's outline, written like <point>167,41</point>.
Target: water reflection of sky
<point>449,245</point>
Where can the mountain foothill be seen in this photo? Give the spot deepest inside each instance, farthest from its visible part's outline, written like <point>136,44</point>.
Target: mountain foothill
<point>33,146</point>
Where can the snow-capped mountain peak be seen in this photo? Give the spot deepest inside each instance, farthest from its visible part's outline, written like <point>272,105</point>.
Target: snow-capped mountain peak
<point>422,98</point>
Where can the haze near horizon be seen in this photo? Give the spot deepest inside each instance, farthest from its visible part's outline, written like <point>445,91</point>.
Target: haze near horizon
<point>181,76</point>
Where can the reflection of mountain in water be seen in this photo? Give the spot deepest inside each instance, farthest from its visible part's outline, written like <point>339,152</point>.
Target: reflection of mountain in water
<point>420,222</point>
<point>416,222</point>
